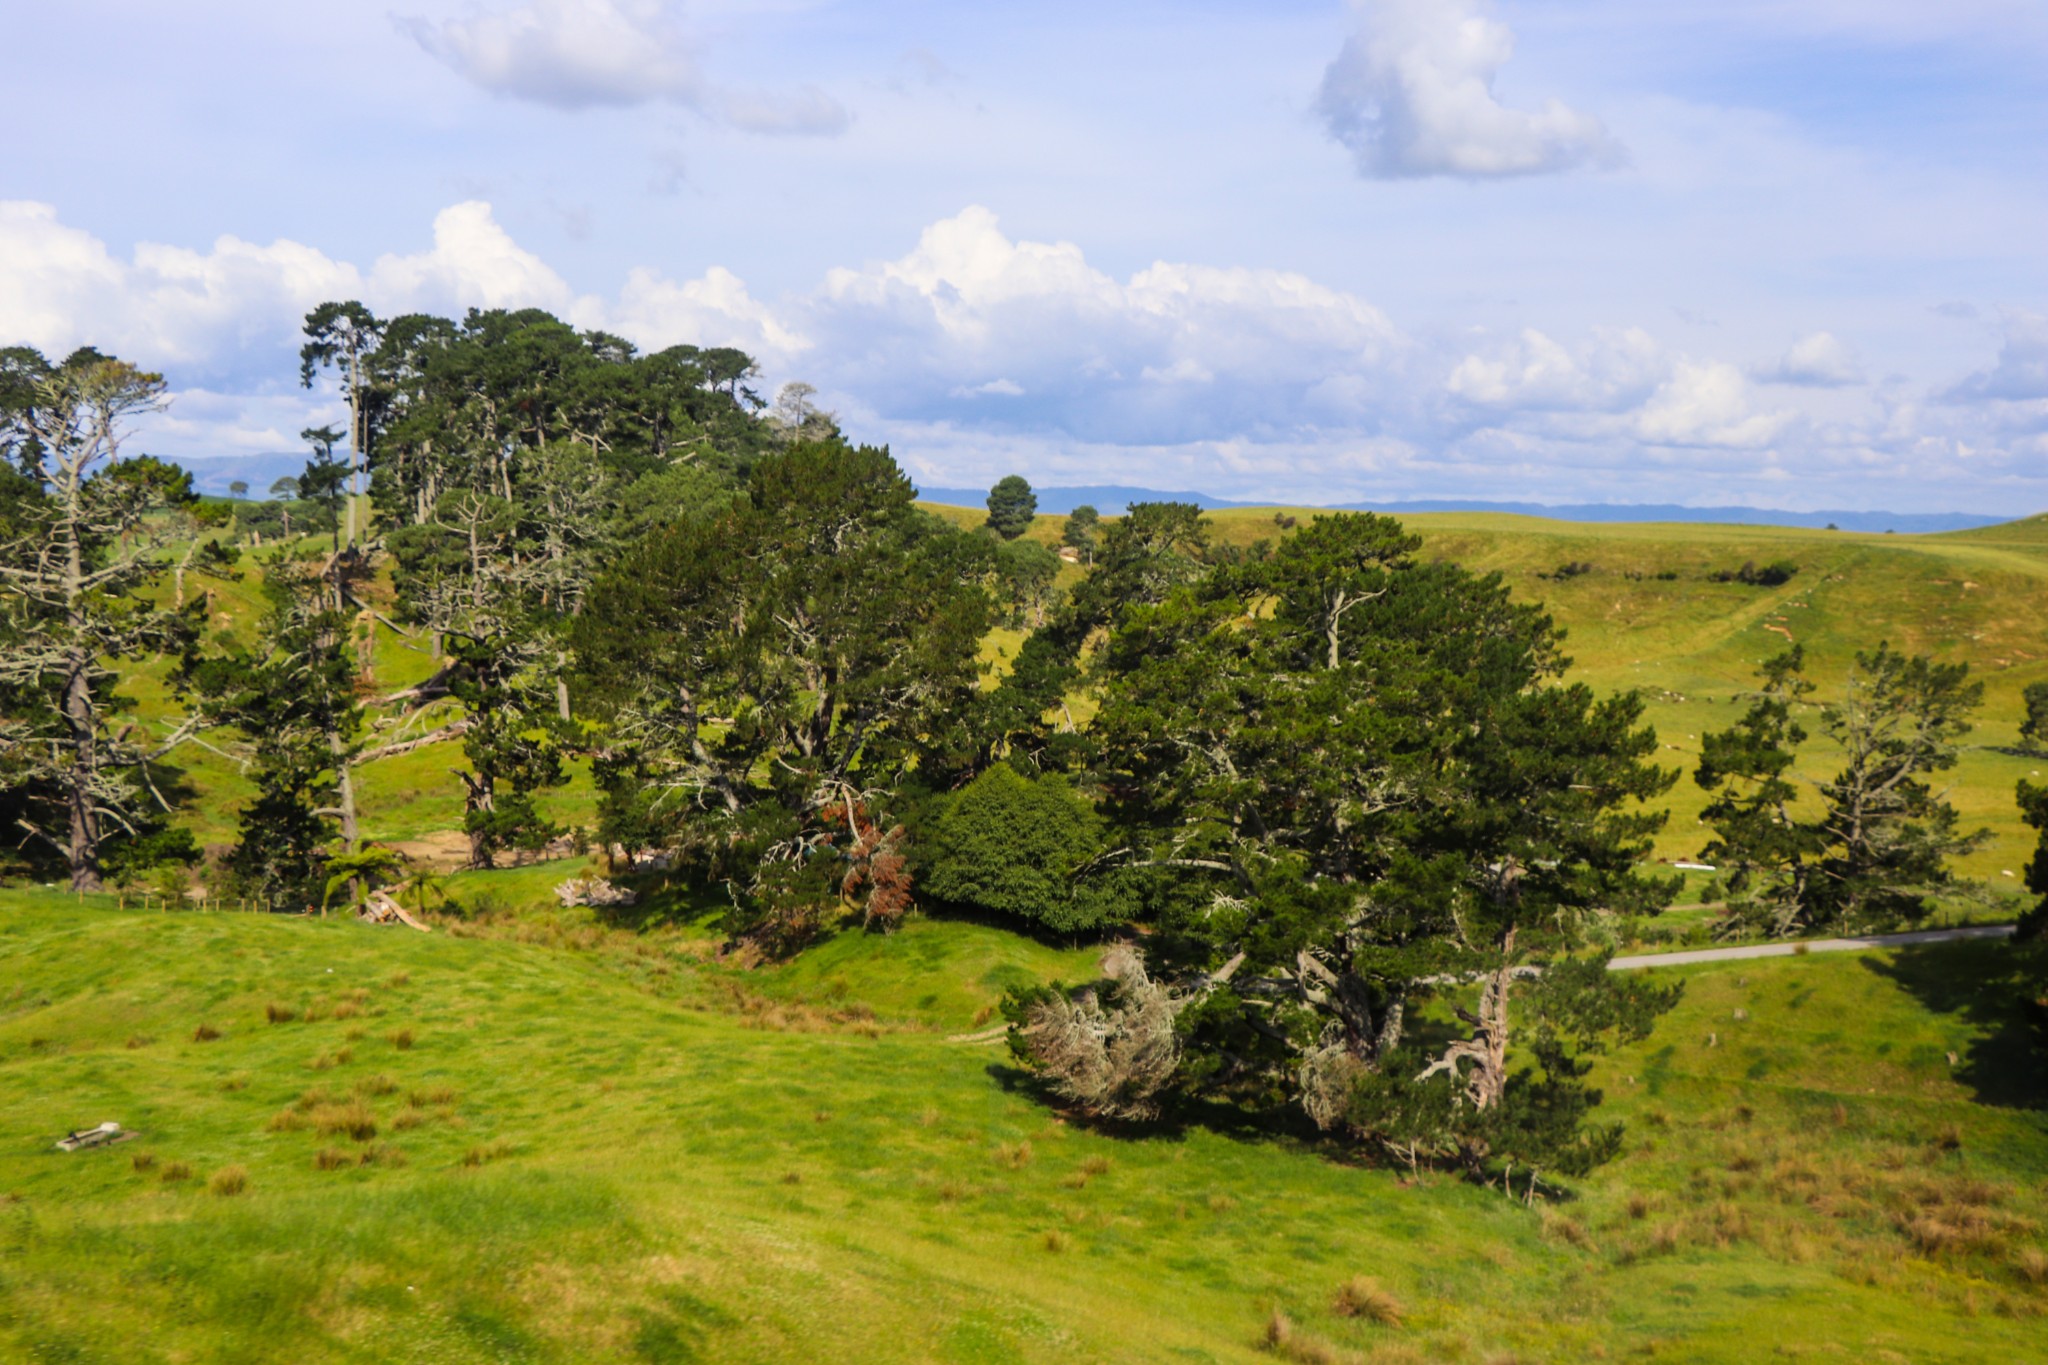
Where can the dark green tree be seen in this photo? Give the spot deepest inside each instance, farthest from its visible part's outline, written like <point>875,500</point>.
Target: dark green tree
<point>2034,725</point>
<point>1080,532</point>
<point>832,629</point>
<point>1016,845</point>
<point>325,480</point>
<point>1011,506</point>
<point>2033,802</point>
<point>344,336</point>
<point>1763,852</point>
<point>1890,834</point>
<point>292,697</point>
<point>1343,780</point>
<point>1025,574</point>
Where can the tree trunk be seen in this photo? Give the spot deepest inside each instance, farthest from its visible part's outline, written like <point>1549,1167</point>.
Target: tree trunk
<point>83,847</point>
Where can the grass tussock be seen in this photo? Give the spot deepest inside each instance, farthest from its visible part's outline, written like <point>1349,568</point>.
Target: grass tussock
<point>142,1161</point>
<point>1056,1242</point>
<point>1014,1156</point>
<point>486,1153</point>
<point>287,1121</point>
<point>406,1119</point>
<point>402,1039</point>
<point>1559,1227</point>
<point>353,1119</point>
<point>138,1041</point>
<point>1360,1297</point>
<point>429,1097</point>
<point>397,979</point>
<point>279,1014</point>
<point>332,1159</point>
<point>1287,1341</point>
<point>371,1087</point>
<point>174,1171</point>
<point>382,1154</point>
<point>228,1182</point>
<point>205,1033</point>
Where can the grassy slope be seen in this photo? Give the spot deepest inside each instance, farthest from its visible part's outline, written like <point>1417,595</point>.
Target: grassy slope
<point>661,1177</point>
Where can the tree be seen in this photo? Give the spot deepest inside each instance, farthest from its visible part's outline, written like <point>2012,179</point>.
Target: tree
<point>1890,834</point>
<point>343,336</point>
<point>1879,848</point>
<point>76,569</point>
<point>325,482</point>
<point>1343,782</point>
<point>1011,506</point>
<point>292,697</point>
<point>1764,852</point>
<point>834,628</point>
<point>2034,725</point>
<point>238,489</point>
<point>1016,845</point>
<point>1025,572</point>
<point>2033,803</point>
<point>1080,531</point>
<point>795,417</point>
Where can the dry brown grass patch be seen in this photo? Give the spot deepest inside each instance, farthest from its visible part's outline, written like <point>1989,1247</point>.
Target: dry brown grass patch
<point>382,1154</point>
<point>430,1096</point>
<point>1014,1156</point>
<point>379,1084</point>
<point>353,1118</point>
<point>142,1161</point>
<point>279,1014</point>
<point>228,1181</point>
<point>139,1041</point>
<point>174,1171</point>
<point>286,1121</point>
<point>1360,1297</point>
<point>332,1159</point>
<point>205,1033</point>
<point>1560,1228</point>
<point>407,1118</point>
<point>1056,1241</point>
<point>2031,1265</point>
<point>402,1040</point>
<point>487,1153</point>
<point>1289,1342</point>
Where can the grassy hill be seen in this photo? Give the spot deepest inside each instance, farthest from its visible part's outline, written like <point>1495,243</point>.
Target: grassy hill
<point>549,1140</point>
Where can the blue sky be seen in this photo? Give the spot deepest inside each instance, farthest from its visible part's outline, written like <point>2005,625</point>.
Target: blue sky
<point>1792,253</point>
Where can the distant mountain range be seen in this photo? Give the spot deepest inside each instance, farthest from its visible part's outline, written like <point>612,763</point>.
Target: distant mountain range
<point>213,474</point>
<point>1114,498</point>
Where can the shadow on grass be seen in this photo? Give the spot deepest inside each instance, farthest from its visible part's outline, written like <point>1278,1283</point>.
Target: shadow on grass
<point>1990,987</point>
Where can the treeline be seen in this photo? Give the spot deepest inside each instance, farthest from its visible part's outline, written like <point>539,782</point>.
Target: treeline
<point>1341,787</point>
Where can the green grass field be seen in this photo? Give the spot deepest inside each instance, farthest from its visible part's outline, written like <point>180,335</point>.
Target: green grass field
<point>547,1139</point>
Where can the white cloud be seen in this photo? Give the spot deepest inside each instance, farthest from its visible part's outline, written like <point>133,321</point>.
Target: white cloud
<point>2020,374</point>
<point>1411,94</point>
<point>581,54</point>
<point>1617,369</point>
<point>234,311</point>
<point>975,353</point>
<point>1816,361</point>
<point>1705,404</point>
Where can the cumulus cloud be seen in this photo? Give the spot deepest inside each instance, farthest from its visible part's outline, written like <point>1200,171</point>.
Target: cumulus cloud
<point>582,54</point>
<point>1817,361</point>
<point>230,315</point>
<point>2020,374</point>
<point>1616,369</point>
<point>1411,94</point>
<point>1705,404</point>
<point>1174,352</point>
<point>975,353</point>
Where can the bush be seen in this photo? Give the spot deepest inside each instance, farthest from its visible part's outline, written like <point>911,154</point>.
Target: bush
<point>1012,844</point>
<point>1775,574</point>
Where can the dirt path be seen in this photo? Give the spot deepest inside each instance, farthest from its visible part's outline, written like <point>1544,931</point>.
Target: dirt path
<point>1821,945</point>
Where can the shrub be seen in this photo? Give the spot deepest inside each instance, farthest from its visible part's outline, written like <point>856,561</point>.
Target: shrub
<point>1012,844</point>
